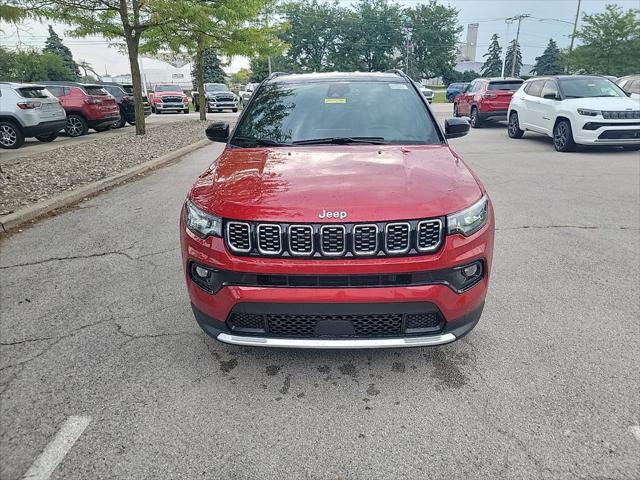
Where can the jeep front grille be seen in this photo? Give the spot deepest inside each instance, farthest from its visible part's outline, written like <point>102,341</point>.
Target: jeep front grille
<point>412,237</point>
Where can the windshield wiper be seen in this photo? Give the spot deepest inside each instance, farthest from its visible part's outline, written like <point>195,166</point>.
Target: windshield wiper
<point>260,142</point>
<point>341,141</point>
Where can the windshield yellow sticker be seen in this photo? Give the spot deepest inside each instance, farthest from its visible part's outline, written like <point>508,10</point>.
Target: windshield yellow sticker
<point>335,100</point>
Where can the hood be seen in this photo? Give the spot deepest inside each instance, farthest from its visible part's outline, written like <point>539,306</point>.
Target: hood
<point>369,183</point>
<point>605,103</point>
<point>170,94</point>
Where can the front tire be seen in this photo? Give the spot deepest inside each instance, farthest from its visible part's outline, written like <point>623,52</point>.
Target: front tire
<point>120,123</point>
<point>514,126</point>
<point>10,135</point>
<point>476,122</point>
<point>563,137</point>
<point>47,138</point>
<point>455,110</point>
<point>76,126</point>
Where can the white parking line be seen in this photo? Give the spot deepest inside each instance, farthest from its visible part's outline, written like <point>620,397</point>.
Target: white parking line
<point>635,429</point>
<point>54,453</point>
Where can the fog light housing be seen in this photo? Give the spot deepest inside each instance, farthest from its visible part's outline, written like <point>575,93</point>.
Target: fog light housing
<point>464,277</point>
<point>205,277</point>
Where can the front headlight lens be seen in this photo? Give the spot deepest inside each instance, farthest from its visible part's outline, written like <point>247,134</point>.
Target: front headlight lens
<point>470,220</point>
<point>201,223</point>
<point>588,112</point>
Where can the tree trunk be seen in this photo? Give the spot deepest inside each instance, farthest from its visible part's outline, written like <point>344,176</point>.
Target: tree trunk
<point>133,42</point>
<point>202,95</point>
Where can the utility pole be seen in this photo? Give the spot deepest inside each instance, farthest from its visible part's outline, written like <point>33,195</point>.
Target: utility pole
<point>513,60</point>
<point>508,21</point>
<point>575,26</point>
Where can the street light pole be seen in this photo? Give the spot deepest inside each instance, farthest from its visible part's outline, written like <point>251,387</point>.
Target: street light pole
<point>575,26</point>
<point>513,60</point>
<point>508,21</point>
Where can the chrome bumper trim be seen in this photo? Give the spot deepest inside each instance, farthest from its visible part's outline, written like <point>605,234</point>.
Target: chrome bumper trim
<point>431,340</point>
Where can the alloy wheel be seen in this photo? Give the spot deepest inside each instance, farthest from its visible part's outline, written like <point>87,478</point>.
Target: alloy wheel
<point>74,127</point>
<point>8,136</point>
<point>513,125</point>
<point>560,136</point>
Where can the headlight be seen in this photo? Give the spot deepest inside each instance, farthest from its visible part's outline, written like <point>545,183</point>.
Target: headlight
<point>201,223</point>
<point>470,220</point>
<point>588,112</point>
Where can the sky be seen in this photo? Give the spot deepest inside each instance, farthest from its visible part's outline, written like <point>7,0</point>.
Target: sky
<point>549,19</point>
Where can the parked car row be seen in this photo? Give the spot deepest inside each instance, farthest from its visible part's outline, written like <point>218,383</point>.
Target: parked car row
<point>571,109</point>
<point>45,109</point>
<point>218,96</point>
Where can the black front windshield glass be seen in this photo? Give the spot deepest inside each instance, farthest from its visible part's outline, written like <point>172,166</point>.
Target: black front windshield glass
<point>216,87</point>
<point>296,112</point>
<point>581,87</point>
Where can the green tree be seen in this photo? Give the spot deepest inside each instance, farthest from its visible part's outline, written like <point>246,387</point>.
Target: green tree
<point>492,66</point>
<point>31,66</point>
<point>10,12</point>
<point>433,30</point>
<point>371,37</point>
<point>313,30</point>
<point>259,67</point>
<point>549,62</point>
<point>54,45</point>
<point>126,20</point>
<point>241,77</point>
<point>513,62</point>
<point>609,40</point>
<point>211,70</point>
<point>198,25</point>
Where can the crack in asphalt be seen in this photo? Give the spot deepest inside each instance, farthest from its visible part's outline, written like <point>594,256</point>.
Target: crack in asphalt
<point>73,257</point>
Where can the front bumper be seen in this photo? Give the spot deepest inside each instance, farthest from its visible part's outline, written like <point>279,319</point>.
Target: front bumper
<point>222,105</point>
<point>599,131</point>
<point>450,333</point>
<point>214,310</point>
<point>171,107</point>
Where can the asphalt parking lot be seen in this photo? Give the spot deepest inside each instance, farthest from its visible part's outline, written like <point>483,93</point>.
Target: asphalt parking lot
<point>96,323</point>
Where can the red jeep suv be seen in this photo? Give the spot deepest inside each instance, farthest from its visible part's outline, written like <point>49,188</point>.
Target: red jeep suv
<point>337,216</point>
<point>486,98</point>
<point>87,106</point>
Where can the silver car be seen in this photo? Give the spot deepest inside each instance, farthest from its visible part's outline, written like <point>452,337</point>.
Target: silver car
<point>246,94</point>
<point>427,93</point>
<point>28,111</point>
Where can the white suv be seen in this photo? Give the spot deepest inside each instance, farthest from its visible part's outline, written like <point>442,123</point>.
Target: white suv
<point>28,111</point>
<point>576,109</point>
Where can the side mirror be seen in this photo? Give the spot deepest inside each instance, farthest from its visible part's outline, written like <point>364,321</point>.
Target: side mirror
<point>456,127</point>
<point>218,132</point>
<point>551,96</point>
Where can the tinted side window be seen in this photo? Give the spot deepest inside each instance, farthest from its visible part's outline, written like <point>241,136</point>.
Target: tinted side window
<point>535,89</point>
<point>550,89</point>
<point>56,91</point>
<point>634,86</point>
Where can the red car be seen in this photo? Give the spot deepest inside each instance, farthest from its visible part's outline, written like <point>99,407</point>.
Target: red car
<point>337,216</point>
<point>168,97</point>
<point>87,106</point>
<point>486,98</point>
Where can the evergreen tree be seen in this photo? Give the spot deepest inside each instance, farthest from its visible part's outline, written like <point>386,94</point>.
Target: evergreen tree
<point>549,62</point>
<point>213,72</point>
<point>492,66</point>
<point>513,63</point>
<point>55,46</point>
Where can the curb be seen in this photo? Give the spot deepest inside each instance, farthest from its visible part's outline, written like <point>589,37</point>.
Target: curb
<point>69,198</point>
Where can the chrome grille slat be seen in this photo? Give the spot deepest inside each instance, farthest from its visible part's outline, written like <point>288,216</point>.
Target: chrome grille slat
<point>269,238</point>
<point>365,239</point>
<point>429,235</point>
<point>239,236</point>
<point>332,240</point>
<point>397,238</point>
<point>301,240</point>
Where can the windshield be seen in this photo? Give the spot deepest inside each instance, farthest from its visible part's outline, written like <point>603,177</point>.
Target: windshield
<point>128,89</point>
<point>513,85</point>
<point>581,87</point>
<point>168,88</point>
<point>288,113</point>
<point>216,87</point>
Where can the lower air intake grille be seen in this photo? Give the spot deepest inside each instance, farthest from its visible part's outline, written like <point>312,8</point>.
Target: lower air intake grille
<point>369,325</point>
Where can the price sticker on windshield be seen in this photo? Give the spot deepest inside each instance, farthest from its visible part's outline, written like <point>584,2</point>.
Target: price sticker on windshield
<point>335,100</point>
